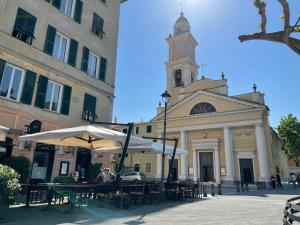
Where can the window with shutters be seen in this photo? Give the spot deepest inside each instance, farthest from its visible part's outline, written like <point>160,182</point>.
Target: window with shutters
<point>24,26</point>
<point>72,8</point>
<point>53,96</point>
<point>102,71</point>
<point>61,47</point>
<point>89,108</point>
<point>93,64</point>
<point>97,26</point>
<point>137,129</point>
<point>12,82</point>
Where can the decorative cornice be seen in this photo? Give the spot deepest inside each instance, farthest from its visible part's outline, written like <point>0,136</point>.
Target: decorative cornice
<point>205,144</point>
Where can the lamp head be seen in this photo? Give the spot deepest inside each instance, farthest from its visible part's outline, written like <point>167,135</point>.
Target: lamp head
<point>166,97</point>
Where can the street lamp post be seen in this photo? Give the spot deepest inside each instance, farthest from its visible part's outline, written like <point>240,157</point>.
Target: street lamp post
<point>165,98</point>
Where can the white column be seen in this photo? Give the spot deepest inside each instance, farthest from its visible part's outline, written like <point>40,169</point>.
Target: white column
<point>183,158</point>
<point>262,153</point>
<point>228,154</point>
<point>158,163</point>
<point>217,166</point>
<point>195,168</point>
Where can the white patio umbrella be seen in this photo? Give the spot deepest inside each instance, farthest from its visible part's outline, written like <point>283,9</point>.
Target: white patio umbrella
<point>90,137</point>
<point>152,148</point>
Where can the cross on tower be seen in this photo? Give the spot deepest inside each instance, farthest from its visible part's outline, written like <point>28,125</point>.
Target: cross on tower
<point>202,67</point>
<point>182,3</point>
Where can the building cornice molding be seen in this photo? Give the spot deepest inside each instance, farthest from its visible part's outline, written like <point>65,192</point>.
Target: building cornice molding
<point>214,126</point>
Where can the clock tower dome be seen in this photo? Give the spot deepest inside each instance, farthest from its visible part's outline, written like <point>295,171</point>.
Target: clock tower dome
<point>182,69</point>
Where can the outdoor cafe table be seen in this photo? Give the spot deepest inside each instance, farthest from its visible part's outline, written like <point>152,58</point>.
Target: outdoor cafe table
<point>112,187</point>
<point>76,188</point>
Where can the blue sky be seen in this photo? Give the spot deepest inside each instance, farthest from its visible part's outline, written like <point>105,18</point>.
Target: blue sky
<point>216,24</point>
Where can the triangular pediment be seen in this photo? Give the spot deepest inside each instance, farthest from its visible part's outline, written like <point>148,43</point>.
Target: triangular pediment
<point>221,103</point>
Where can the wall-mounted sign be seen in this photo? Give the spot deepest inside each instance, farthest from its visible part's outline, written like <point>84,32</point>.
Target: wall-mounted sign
<point>64,168</point>
<point>191,170</point>
<point>223,171</point>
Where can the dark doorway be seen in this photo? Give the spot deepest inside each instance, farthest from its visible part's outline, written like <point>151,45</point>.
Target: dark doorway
<point>174,170</point>
<point>246,171</point>
<point>83,163</point>
<point>6,149</point>
<point>42,165</point>
<point>206,166</point>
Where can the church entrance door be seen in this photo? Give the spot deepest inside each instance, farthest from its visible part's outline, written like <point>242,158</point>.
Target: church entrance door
<point>206,166</point>
<point>246,171</point>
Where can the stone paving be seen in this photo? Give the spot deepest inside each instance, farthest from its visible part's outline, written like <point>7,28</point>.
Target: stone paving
<point>253,207</point>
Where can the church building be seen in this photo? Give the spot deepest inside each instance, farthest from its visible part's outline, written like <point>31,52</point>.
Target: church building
<point>228,138</point>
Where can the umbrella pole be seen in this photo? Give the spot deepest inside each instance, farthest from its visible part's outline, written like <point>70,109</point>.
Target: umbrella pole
<point>172,161</point>
<point>121,164</point>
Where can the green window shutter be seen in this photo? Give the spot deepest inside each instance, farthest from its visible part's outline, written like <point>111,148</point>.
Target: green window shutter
<point>24,23</point>
<point>78,11</point>
<point>73,53</point>
<point>56,3</point>
<point>28,87</point>
<point>41,92</point>
<point>50,39</point>
<point>102,69</point>
<point>89,107</point>
<point>85,59</point>
<point>2,65</point>
<point>65,105</point>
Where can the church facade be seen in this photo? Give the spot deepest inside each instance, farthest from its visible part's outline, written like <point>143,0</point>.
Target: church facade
<point>228,138</point>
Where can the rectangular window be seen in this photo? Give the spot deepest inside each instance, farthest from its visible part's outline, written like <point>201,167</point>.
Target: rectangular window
<point>93,62</point>
<point>53,96</point>
<point>148,167</point>
<point>149,129</point>
<point>102,69</point>
<point>97,26</point>
<point>125,131</point>
<point>12,82</point>
<point>24,26</point>
<point>67,6</point>
<point>137,130</point>
<point>61,46</point>
<point>89,108</point>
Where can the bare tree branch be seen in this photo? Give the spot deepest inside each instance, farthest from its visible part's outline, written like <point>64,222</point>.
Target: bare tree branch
<point>280,36</point>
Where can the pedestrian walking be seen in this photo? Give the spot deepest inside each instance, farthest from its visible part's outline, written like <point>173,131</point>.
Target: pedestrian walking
<point>273,182</point>
<point>298,180</point>
<point>293,179</point>
<point>278,178</point>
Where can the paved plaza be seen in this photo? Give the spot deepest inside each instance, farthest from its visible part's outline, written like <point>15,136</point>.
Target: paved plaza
<point>253,207</point>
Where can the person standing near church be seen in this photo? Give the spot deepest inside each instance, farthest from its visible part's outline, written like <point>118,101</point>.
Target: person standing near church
<point>273,182</point>
<point>278,178</point>
<point>293,179</point>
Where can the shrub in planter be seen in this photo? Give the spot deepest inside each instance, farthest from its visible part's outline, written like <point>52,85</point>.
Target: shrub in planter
<point>63,180</point>
<point>9,184</point>
<point>21,165</point>
<point>94,171</point>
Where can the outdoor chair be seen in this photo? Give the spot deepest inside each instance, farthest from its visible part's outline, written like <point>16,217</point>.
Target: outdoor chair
<point>137,193</point>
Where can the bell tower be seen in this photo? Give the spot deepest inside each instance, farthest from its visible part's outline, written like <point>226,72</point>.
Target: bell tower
<point>182,69</point>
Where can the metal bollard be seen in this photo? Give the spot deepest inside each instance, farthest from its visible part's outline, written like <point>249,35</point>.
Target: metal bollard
<point>212,188</point>
<point>242,187</point>
<point>237,186</point>
<point>264,185</point>
<point>204,191</point>
<point>258,186</point>
<point>219,189</point>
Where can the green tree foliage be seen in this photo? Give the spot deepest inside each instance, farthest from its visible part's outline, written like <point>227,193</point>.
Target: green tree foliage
<point>289,133</point>
<point>21,165</point>
<point>9,183</point>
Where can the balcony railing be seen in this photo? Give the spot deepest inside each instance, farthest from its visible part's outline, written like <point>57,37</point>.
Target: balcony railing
<point>22,35</point>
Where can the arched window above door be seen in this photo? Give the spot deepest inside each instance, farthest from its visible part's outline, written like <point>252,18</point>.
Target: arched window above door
<point>203,107</point>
